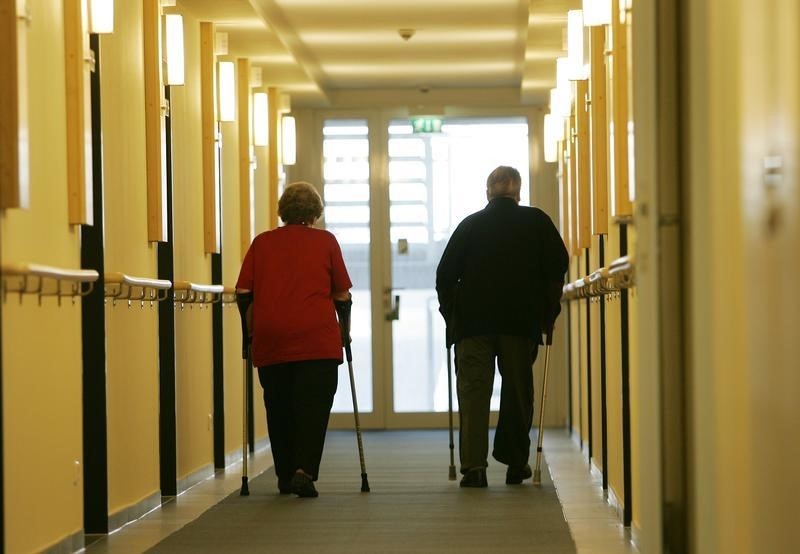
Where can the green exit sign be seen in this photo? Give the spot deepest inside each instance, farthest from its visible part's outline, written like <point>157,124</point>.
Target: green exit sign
<point>426,124</point>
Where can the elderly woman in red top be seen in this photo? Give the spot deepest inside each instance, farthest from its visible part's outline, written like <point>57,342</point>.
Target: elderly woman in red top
<point>295,273</point>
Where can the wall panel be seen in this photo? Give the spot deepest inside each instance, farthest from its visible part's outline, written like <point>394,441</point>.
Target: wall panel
<point>42,344</point>
<point>131,334</point>
<point>193,348</point>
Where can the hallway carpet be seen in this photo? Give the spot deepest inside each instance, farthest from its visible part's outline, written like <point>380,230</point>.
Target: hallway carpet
<point>412,507</point>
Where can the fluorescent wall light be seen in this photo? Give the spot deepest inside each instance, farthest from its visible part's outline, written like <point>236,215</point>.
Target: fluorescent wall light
<point>227,91</point>
<point>551,137</point>
<point>596,12</point>
<point>289,140</point>
<point>260,119</point>
<point>101,16</point>
<point>575,52</point>
<point>559,104</point>
<point>174,31</point>
<point>564,86</point>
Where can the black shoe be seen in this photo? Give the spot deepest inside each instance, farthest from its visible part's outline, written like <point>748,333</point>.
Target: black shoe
<point>517,474</point>
<point>475,478</point>
<point>284,486</point>
<point>303,486</point>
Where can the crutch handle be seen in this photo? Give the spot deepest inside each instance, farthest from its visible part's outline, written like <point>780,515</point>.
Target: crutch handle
<point>343,308</point>
<point>549,337</point>
<point>243,301</point>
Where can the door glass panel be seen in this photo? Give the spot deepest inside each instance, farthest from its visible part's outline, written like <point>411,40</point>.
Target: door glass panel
<point>345,148</point>
<point>435,180</point>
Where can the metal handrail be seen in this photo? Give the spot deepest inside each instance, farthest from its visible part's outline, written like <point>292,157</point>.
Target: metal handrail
<point>620,274</point>
<point>44,280</point>
<point>120,286</point>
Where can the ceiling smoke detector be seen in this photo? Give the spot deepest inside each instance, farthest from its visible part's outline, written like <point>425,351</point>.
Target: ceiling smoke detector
<point>406,34</point>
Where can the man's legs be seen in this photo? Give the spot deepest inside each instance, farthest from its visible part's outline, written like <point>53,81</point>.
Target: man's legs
<point>474,380</point>
<point>512,441</point>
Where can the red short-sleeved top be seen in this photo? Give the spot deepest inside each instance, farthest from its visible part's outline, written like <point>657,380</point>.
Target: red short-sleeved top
<point>293,271</point>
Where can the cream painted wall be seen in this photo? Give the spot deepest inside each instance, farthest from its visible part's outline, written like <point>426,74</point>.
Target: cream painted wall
<point>264,204</point>
<point>717,340</point>
<point>744,104</point>
<point>575,356</point>
<point>635,400</point>
<point>131,333</point>
<point>770,126</point>
<point>193,347</point>
<point>544,195</point>
<point>42,368</point>
<point>594,355</point>
<point>231,263</point>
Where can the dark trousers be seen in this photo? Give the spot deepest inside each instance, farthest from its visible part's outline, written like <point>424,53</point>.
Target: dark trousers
<point>475,362</point>
<point>298,397</point>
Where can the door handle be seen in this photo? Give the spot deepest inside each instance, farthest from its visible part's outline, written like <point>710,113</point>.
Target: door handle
<point>392,308</point>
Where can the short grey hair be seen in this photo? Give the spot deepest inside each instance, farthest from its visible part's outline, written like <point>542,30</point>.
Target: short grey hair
<point>504,181</point>
<point>300,203</point>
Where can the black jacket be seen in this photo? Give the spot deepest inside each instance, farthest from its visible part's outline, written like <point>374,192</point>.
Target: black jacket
<point>502,273</point>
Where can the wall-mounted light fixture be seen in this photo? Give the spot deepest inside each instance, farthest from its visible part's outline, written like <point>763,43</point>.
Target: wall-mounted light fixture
<point>575,46</point>
<point>596,12</point>
<point>174,32</point>
<point>260,119</point>
<point>288,140</point>
<point>101,16</point>
<point>553,132</point>
<point>559,106</point>
<point>563,85</point>
<point>227,91</point>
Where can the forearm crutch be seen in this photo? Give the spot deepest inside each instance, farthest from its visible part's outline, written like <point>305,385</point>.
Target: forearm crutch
<point>452,472</point>
<point>243,301</point>
<point>343,312</point>
<point>537,473</point>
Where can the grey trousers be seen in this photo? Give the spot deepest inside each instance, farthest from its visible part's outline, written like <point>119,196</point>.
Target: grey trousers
<point>475,363</point>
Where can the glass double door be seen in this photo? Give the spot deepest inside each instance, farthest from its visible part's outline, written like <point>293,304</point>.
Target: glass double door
<point>392,198</point>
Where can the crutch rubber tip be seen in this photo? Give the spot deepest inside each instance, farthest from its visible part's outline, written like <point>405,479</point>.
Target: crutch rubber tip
<point>537,477</point>
<point>364,483</point>
<point>245,488</point>
<point>452,475</point>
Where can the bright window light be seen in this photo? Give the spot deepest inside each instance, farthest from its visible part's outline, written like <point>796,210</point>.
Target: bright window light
<point>289,142</point>
<point>260,119</point>
<point>101,16</point>
<point>227,91</point>
<point>596,12</point>
<point>174,31</point>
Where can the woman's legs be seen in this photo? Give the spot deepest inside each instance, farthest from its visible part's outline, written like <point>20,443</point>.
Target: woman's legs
<point>298,397</point>
<point>315,384</point>
<point>277,382</point>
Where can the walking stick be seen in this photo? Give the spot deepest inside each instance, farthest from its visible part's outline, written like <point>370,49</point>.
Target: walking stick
<point>343,312</point>
<point>537,473</point>
<point>452,472</point>
<point>243,301</point>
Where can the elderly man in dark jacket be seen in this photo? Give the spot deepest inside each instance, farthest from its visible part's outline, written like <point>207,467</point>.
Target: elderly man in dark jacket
<point>499,285</point>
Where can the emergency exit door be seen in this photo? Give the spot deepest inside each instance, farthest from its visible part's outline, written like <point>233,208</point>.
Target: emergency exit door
<point>392,198</point>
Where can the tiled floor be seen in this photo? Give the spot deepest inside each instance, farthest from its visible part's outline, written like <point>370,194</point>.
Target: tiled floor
<point>593,523</point>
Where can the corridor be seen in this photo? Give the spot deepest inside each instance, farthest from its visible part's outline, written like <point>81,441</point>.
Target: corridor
<point>412,507</point>
<point>144,145</point>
